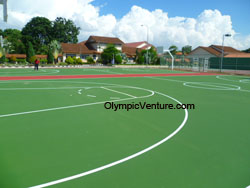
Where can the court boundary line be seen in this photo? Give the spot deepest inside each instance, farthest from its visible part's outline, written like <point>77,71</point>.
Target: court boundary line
<point>8,78</point>
<point>126,158</point>
<point>179,128</point>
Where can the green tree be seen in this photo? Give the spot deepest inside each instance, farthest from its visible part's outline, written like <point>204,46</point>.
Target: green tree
<point>144,54</point>
<point>38,31</point>
<point>247,50</point>
<point>90,60</point>
<point>173,49</point>
<point>118,59</point>
<point>65,30</point>
<point>30,52</point>
<point>55,48</point>
<point>50,57</point>
<point>109,53</point>
<point>14,37</point>
<point>186,49</point>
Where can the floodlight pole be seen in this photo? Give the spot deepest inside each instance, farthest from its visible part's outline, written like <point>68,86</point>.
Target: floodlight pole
<point>5,15</point>
<point>172,58</point>
<point>222,53</point>
<point>147,42</point>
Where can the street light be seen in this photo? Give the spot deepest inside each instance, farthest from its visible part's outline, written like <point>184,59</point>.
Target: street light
<point>222,53</point>
<point>147,42</point>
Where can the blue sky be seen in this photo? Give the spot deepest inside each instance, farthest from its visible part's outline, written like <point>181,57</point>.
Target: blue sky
<point>239,10</point>
<point>180,23</point>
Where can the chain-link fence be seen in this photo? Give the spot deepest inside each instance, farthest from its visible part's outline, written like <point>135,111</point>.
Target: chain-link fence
<point>214,64</point>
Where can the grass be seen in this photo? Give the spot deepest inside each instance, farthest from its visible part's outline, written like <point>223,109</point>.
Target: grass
<point>210,151</point>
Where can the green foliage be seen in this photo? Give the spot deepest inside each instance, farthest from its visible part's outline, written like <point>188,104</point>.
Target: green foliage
<point>151,54</point>
<point>118,59</point>
<point>186,49</point>
<point>14,37</point>
<point>13,59</point>
<point>140,59</point>
<point>50,57</point>
<point>32,59</point>
<point>69,60</point>
<point>3,59</point>
<point>62,64</point>
<point>78,61</point>
<point>38,31</point>
<point>21,60</point>
<point>30,52</point>
<point>109,53</point>
<point>43,60</point>
<point>173,49</point>
<point>65,30</point>
<point>247,50</point>
<point>55,48</point>
<point>2,52</point>
<point>90,60</point>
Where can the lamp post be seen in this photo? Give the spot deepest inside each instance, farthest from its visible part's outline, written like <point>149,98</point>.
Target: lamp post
<point>222,53</point>
<point>147,42</point>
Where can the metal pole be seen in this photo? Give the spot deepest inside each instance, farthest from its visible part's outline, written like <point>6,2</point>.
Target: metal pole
<point>147,62</point>
<point>172,59</point>
<point>147,48</point>
<point>222,54</point>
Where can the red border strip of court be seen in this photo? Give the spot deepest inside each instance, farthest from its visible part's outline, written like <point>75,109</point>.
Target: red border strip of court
<point>99,76</point>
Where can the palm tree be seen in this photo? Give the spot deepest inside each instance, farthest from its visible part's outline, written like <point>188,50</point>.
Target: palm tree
<point>56,48</point>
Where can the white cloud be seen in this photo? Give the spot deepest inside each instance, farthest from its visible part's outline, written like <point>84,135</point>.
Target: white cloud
<point>206,29</point>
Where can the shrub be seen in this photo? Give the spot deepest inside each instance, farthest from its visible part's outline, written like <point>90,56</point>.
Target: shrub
<point>13,59</point>
<point>32,59</point>
<point>90,60</point>
<point>21,60</point>
<point>69,60</point>
<point>118,59</point>
<point>78,61</point>
<point>43,60</point>
<point>3,59</point>
<point>62,64</point>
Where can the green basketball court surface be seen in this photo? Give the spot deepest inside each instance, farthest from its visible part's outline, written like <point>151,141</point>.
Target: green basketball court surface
<point>58,133</point>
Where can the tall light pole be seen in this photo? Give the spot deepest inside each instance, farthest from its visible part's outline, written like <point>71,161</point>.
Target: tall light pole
<point>147,42</point>
<point>222,53</point>
<point>5,14</point>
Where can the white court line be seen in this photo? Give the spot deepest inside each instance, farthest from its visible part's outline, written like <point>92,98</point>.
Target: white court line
<point>98,70</point>
<point>223,78</point>
<point>80,91</point>
<point>165,79</point>
<point>204,84</point>
<point>7,89</point>
<point>91,96</point>
<point>124,159</point>
<point>240,89</point>
<point>80,105</point>
<point>118,92</point>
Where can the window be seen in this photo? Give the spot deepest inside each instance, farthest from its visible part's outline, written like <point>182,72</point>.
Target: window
<point>71,55</point>
<point>84,56</point>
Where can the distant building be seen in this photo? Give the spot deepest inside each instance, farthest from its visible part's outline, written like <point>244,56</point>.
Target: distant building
<point>130,49</point>
<point>93,47</point>
<point>216,51</point>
